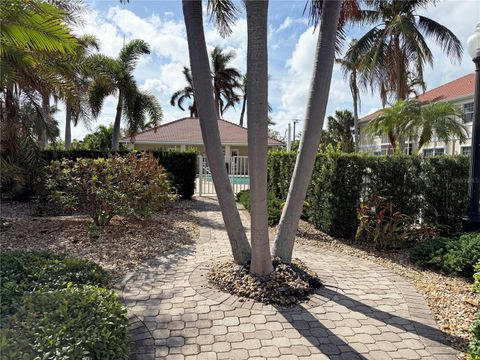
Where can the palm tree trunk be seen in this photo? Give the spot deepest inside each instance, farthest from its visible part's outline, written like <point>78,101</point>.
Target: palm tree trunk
<point>68,127</point>
<point>356,136</point>
<point>242,113</point>
<point>257,117</point>
<point>9,139</point>
<point>217,104</point>
<point>116,124</point>
<point>317,103</point>
<point>199,61</point>
<point>42,141</point>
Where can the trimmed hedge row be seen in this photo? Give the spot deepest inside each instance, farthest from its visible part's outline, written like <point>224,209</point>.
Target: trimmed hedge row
<point>182,166</point>
<point>434,188</point>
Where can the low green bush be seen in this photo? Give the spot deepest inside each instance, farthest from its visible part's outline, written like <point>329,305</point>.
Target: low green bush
<point>456,255</point>
<point>132,185</point>
<point>74,323</point>
<point>24,272</point>
<point>181,166</point>
<point>474,346</point>
<point>274,206</point>
<point>476,278</point>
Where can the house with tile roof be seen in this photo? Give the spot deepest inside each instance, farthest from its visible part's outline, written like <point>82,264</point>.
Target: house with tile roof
<point>185,134</point>
<point>459,91</point>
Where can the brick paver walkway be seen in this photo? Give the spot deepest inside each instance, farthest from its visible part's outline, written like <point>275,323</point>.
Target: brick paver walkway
<point>364,311</point>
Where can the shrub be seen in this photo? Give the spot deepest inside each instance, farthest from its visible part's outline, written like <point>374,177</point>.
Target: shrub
<point>23,272</point>
<point>334,193</point>
<point>434,187</point>
<point>474,346</point>
<point>452,255</point>
<point>274,206</point>
<point>476,278</point>
<point>382,224</point>
<point>130,185</point>
<point>181,166</point>
<point>445,190</point>
<point>74,323</point>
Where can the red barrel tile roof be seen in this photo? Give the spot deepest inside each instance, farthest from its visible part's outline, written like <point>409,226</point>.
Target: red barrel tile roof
<point>458,88</point>
<point>187,131</point>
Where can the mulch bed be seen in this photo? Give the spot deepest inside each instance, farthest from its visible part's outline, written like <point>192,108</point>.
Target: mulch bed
<point>289,284</point>
<point>119,247</point>
<point>451,299</point>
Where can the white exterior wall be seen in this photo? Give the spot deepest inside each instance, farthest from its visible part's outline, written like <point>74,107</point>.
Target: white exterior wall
<point>375,145</point>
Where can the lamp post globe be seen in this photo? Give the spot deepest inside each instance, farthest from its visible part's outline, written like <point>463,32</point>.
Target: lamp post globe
<point>472,221</point>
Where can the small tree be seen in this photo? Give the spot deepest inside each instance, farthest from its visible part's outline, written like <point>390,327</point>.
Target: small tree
<point>133,185</point>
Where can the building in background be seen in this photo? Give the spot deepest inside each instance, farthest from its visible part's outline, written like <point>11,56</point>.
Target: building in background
<point>185,134</point>
<point>459,92</point>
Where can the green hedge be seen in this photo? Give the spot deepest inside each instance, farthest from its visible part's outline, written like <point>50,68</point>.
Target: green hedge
<point>74,323</point>
<point>23,272</point>
<point>274,206</point>
<point>58,307</point>
<point>435,188</point>
<point>182,166</point>
<point>445,190</point>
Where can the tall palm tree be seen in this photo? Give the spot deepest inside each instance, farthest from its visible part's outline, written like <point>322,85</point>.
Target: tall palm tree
<point>77,107</point>
<point>317,103</point>
<point>340,129</point>
<point>179,97</point>
<point>393,121</point>
<point>243,89</point>
<point>440,118</point>
<point>226,80</point>
<point>257,117</point>
<point>351,67</point>
<point>116,77</point>
<point>208,115</point>
<point>397,46</point>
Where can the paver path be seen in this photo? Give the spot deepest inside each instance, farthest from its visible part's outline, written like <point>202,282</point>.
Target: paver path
<point>363,312</point>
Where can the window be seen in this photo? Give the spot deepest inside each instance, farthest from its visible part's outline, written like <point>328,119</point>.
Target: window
<point>433,152</point>
<point>466,150</point>
<point>468,112</point>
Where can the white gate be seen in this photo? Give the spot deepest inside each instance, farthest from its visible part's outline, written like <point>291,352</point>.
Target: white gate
<point>237,169</point>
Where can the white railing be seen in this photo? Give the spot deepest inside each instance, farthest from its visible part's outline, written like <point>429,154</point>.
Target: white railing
<point>237,169</point>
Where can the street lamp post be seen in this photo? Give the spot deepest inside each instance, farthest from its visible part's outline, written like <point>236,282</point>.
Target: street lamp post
<point>472,221</point>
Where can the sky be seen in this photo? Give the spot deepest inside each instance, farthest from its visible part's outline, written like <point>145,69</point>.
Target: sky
<point>291,45</point>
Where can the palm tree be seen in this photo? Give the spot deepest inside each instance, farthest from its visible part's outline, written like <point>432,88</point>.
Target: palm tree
<point>243,88</point>
<point>439,118</point>
<point>208,115</point>
<point>317,103</point>
<point>179,97</point>
<point>33,34</point>
<point>393,121</point>
<point>351,67</point>
<point>77,108</point>
<point>225,80</point>
<point>340,129</point>
<point>257,117</point>
<point>116,76</point>
<point>396,46</point>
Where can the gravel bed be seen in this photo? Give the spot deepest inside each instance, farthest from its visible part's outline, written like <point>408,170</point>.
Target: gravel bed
<point>119,247</point>
<point>289,284</point>
<point>450,298</point>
